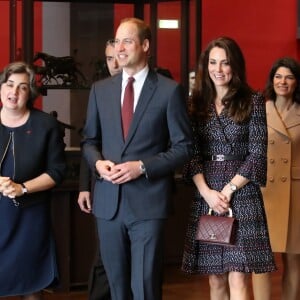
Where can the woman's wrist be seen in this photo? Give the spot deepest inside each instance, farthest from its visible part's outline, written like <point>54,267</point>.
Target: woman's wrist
<point>232,187</point>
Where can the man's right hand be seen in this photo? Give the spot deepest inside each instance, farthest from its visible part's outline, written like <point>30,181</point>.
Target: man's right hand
<point>84,201</point>
<point>105,169</point>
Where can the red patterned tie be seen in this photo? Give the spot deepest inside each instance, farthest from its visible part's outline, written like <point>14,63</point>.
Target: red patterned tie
<point>127,108</point>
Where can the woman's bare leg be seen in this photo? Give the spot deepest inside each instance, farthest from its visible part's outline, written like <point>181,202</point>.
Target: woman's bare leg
<point>261,285</point>
<point>238,286</point>
<point>219,287</point>
<point>291,276</point>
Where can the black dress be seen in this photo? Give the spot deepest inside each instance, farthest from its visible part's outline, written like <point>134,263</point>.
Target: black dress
<point>220,135</point>
<point>27,252</point>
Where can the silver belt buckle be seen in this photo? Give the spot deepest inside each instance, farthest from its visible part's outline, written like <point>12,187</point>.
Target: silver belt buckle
<point>219,157</point>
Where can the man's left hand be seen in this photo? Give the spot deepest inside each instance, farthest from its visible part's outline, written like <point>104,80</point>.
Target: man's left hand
<point>125,172</point>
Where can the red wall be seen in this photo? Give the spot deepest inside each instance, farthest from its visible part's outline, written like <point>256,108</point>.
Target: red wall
<point>122,11</point>
<point>265,30</point>
<point>5,34</point>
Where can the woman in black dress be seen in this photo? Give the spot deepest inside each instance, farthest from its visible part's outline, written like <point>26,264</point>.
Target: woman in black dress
<point>31,163</point>
<point>228,168</point>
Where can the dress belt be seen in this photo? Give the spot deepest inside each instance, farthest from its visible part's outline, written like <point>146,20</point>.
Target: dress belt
<point>223,157</point>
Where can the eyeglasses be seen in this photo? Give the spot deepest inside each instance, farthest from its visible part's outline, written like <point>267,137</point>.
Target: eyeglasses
<point>110,42</point>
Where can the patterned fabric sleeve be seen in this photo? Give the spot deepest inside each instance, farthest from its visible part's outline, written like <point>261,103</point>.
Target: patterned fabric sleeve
<point>255,166</point>
<point>194,166</point>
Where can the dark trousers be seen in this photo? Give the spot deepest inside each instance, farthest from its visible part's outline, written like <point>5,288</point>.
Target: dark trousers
<point>132,252</point>
<point>98,283</point>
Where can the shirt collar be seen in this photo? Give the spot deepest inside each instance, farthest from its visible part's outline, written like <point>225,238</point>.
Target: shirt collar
<point>141,75</point>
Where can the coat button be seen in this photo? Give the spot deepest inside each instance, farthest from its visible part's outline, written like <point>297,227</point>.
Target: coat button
<point>271,179</point>
<point>285,160</point>
<point>283,179</point>
<point>272,142</point>
<point>272,161</point>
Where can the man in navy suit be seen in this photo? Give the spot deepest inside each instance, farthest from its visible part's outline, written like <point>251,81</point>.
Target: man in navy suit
<point>98,286</point>
<point>135,173</point>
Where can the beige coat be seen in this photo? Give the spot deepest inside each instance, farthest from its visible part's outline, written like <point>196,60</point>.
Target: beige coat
<point>282,193</point>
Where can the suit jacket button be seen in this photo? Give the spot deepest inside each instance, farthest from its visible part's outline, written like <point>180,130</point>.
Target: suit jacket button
<point>272,142</point>
<point>271,179</point>
<point>283,179</point>
<point>272,160</point>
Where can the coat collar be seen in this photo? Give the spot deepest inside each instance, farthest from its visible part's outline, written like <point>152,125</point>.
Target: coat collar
<point>291,119</point>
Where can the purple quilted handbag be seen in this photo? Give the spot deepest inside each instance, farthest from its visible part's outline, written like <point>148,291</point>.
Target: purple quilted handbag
<point>219,230</point>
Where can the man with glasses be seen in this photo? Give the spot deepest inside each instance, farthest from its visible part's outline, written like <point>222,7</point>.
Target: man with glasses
<point>98,284</point>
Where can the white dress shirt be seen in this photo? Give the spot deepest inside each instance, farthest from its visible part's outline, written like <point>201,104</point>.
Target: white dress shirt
<point>139,79</point>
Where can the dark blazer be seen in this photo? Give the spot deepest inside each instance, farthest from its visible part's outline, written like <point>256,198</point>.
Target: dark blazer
<point>38,148</point>
<point>159,135</point>
<point>85,176</point>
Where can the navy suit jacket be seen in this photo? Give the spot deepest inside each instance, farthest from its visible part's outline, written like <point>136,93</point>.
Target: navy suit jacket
<point>159,135</point>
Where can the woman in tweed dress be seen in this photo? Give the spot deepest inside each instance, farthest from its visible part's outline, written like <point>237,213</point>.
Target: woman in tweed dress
<point>228,168</point>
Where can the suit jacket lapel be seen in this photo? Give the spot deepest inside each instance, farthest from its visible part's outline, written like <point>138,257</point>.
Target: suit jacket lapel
<point>115,102</point>
<point>144,100</point>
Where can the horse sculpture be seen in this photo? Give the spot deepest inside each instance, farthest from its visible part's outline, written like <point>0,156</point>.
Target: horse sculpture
<point>60,70</point>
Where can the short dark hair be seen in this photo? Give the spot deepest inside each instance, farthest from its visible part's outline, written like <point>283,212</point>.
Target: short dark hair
<point>21,67</point>
<point>110,42</point>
